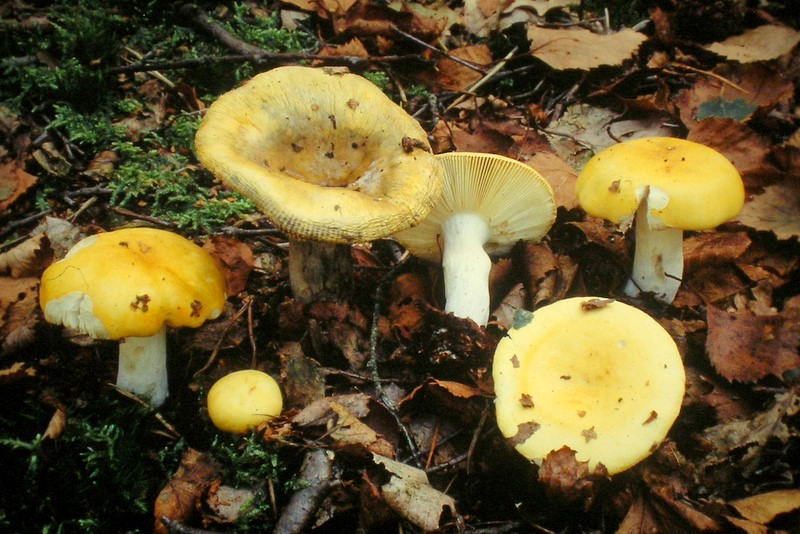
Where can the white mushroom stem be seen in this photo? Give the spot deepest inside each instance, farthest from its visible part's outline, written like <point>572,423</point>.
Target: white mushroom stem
<point>143,367</point>
<point>466,266</point>
<point>658,254</point>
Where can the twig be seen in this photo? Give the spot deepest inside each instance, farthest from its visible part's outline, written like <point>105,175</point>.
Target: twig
<point>372,361</point>
<point>477,84</point>
<point>710,75</point>
<point>317,470</point>
<point>133,215</point>
<point>471,66</point>
<point>262,58</point>
<point>245,307</point>
<point>154,73</point>
<point>201,19</point>
<point>10,227</point>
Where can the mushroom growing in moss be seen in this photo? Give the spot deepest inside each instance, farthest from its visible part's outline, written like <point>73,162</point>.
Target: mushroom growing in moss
<point>489,202</point>
<point>129,285</point>
<point>242,400</point>
<point>670,185</point>
<point>326,156</point>
<point>595,375</point>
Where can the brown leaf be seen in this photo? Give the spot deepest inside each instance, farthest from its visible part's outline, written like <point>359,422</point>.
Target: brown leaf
<point>710,248</point>
<point>750,435</point>
<point>577,48</point>
<point>56,425</point>
<point>410,494</point>
<point>19,304</point>
<point>17,371</point>
<point>559,174</point>
<point>453,76</point>
<point>745,347</point>
<point>708,284</point>
<point>763,43</point>
<point>179,499</point>
<point>303,382</point>
<point>348,433</point>
<point>765,507</point>
<point>747,150</point>
<point>14,182</point>
<point>569,480</point>
<point>235,258</point>
<point>776,210</point>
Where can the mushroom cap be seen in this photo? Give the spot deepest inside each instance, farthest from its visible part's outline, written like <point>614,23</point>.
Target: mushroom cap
<point>598,376</point>
<point>324,154</point>
<point>703,187</point>
<point>242,400</point>
<point>132,282</point>
<point>514,199</point>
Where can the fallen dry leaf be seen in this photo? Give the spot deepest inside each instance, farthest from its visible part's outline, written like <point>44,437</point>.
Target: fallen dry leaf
<point>17,371</point>
<point>764,507</point>
<point>749,436</point>
<point>410,494</point>
<point>19,304</point>
<point>454,76</point>
<point>776,210</point>
<point>759,44</point>
<point>567,479</point>
<point>179,499</point>
<point>234,257</point>
<point>577,48</point>
<point>349,433</point>
<point>710,248</point>
<point>745,347</point>
<point>14,182</point>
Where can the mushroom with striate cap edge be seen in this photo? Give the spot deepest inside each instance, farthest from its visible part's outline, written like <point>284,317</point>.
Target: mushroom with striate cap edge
<point>129,285</point>
<point>668,185</point>
<point>489,202</point>
<point>595,375</point>
<point>326,156</point>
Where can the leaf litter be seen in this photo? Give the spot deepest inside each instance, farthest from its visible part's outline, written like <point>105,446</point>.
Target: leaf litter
<point>403,405</point>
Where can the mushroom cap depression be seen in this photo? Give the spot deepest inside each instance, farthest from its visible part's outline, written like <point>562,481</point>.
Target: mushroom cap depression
<point>132,282</point>
<point>515,201</point>
<point>324,154</point>
<point>242,400</point>
<point>703,187</point>
<point>598,376</point>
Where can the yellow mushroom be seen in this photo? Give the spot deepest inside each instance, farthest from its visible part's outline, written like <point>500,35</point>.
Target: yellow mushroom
<point>670,185</point>
<point>242,400</point>
<point>129,285</point>
<point>489,202</point>
<point>325,155</point>
<point>598,376</point>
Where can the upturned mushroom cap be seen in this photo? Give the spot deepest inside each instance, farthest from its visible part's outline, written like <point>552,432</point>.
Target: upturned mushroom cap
<point>132,282</point>
<point>598,376</point>
<point>324,154</point>
<point>242,400</point>
<point>515,201</point>
<point>703,189</point>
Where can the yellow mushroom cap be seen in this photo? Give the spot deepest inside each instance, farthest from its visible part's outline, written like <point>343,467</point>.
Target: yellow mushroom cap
<point>324,154</point>
<point>242,400</point>
<point>598,376</point>
<point>514,199</point>
<point>703,187</point>
<point>132,282</point>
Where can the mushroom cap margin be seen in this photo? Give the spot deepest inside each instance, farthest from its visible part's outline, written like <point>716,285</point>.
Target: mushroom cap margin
<point>606,382</point>
<point>131,282</point>
<point>704,188</point>
<point>326,156</point>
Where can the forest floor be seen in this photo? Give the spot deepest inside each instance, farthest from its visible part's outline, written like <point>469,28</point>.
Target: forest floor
<point>389,422</point>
